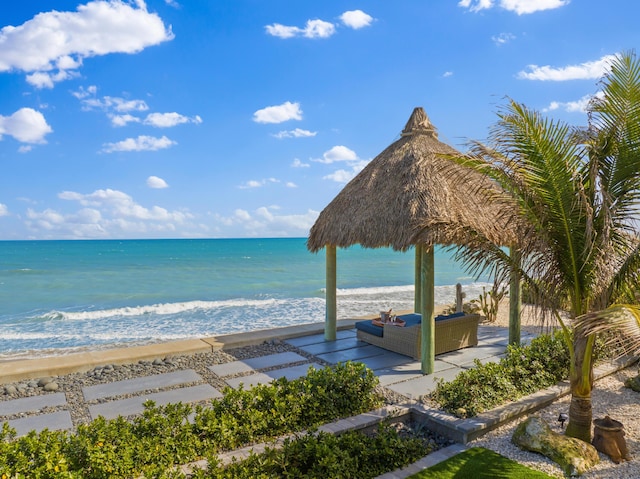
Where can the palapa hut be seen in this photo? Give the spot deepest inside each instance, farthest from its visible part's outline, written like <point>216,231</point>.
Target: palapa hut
<point>408,196</point>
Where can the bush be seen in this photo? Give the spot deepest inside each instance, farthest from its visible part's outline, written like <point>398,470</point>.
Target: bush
<point>163,436</point>
<point>323,455</point>
<point>524,370</point>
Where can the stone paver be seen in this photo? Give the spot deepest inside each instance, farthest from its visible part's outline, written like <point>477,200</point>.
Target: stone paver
<point>410,370</point>
<point>420,386</point>
<point>261,362</point>
<point>386,360</point>
<point>129,386</point>
<point>55,421</point>
<point>331,346</point>
<point>319,338</point>
<point>290,373</point>
<point>354,354</point>
<point>134,405</point>
<point>30,404</point>
<point>466,356</point>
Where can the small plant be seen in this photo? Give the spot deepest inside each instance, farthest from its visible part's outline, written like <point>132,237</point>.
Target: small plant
<point>524,370</point>
<point>489,301</point>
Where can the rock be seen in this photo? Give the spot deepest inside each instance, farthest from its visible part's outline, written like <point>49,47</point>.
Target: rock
<point>42,382</point>
<point>32,384</point>
<point>10,389</point>
<point>158,362</point>
<point>574,456</point>
<point>51,386</point>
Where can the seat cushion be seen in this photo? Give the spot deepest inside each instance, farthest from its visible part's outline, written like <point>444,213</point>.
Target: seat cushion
<point>368,327</point>
<point>411,319</point>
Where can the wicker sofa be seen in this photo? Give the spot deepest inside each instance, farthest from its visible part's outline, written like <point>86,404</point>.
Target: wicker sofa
<point>452,332</point>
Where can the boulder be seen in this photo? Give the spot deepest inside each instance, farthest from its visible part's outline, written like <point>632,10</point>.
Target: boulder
<point>574,456</point>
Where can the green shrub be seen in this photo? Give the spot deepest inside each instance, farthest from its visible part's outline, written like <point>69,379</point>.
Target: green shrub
<point>524,370</point>
<point>323,455</point>
<point>163,436</point>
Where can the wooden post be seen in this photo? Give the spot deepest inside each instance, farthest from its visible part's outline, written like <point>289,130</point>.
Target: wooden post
<point>459,298</point>
<point>417,295</point>
<point>330,321</point>
<point>515,301</point>
<point>428,323</point>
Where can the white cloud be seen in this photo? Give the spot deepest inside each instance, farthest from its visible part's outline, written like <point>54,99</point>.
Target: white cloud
<point>344,176</point>
<point>447,74</point>
<point>4,211</point>
<point>278,113</point>
<point>141,143</point>
<point>156,182</point>
<point>297,133</point>
<point>290,184</point>
<point>299,164</point>
<point>356,19</point>
<point>313,29</point>
<point>503,38</point>
<point>123,120</point>
<point>107,213</point>
<point>25,125</point>
<point>167,120</point>
<point>520,7</point>
<point>25,148</point>
<point>577,106</point>
<point>112,103</point>
<point>52,45</point>
<point>338,153</point>
<point>265,222</point>
<point>584,71</point>
<point>257,183</point>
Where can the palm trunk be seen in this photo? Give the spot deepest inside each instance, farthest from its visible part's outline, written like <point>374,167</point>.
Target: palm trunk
<point>580,411</point>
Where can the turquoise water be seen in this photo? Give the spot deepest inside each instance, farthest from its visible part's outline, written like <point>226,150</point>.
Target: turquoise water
<point>59,296</point>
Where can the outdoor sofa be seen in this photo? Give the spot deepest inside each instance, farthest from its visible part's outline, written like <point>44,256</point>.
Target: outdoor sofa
<point>452,332</point>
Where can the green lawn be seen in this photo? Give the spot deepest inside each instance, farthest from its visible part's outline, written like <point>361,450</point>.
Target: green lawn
<point>478,463</point>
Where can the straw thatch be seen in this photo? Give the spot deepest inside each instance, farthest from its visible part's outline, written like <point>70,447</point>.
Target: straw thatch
<point>411,194</point>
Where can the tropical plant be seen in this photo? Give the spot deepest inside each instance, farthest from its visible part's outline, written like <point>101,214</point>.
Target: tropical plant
<point>576,193</point>
<point>489,301</point>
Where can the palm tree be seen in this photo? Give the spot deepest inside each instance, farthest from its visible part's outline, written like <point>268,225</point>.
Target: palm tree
<point>577,193</point>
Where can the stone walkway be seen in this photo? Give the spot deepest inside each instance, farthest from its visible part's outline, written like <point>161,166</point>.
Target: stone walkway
<point>399,373</point>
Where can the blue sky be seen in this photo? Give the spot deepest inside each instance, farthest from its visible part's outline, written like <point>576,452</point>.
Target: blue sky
<point>244,118</point>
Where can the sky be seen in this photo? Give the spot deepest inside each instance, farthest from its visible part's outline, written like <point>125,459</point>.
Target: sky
<point>245,118</point>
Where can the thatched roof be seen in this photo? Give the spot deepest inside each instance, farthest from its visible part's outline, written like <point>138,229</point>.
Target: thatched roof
<point>410,194</point>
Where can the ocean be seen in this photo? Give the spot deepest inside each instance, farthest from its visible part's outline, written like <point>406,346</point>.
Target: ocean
<point>58,297</point>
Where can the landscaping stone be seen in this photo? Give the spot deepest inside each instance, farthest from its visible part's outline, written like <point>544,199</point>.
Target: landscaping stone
<point>574,456</point>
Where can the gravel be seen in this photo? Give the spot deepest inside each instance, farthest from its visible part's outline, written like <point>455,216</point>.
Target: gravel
<point>609,397</point>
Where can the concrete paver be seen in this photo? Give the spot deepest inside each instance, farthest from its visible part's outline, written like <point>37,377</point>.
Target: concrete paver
<point>260,362</point>
<point>331,346</point>
<point>408,371</point>
<point>420,386</point>
<point>134,405</point>
<point>30,404</point>
<point>353,354</point>
<point>319,338</point>
<point>55,421</point>
<point>129,386</point>
<point>290,373</point>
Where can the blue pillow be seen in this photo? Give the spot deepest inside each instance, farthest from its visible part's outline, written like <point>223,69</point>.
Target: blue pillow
<point>368,327</point>
<point>411,319</point>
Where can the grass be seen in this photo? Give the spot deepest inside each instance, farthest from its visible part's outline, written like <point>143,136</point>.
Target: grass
<point>478,463</point>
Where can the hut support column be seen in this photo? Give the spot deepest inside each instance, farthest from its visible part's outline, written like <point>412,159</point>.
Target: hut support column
<point>515,301</point>
<point>330,321</point>
<point>417,295</point>
<point>428,324</point>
